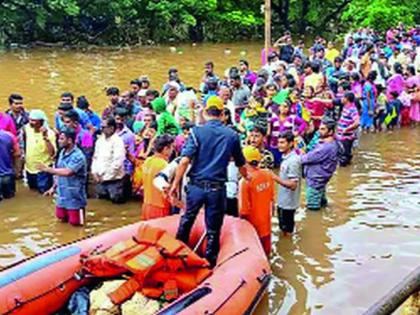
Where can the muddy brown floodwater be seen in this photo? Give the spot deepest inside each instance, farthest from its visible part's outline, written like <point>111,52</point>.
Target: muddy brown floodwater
<point>339,261</point>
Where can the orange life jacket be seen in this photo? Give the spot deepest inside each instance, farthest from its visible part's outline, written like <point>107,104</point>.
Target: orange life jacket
<point>162,266</point>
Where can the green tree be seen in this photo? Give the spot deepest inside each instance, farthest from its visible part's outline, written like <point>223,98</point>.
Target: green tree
<point>381,14</point>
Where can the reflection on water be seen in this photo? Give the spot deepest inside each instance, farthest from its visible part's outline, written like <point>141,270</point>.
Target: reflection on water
<point>368,235</point>
<point>339,261</point>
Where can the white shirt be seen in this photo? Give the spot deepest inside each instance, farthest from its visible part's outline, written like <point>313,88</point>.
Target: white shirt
<point>108,159</point>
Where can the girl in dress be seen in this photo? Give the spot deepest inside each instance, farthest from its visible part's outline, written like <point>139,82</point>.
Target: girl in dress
<point>368,102</point>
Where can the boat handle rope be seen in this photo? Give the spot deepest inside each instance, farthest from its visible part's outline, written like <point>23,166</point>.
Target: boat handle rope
<point>243,250</point>
<point>21,303</point>
<point>240,285</point>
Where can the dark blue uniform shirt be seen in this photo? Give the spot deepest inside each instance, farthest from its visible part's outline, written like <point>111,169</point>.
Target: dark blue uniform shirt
<point>210,147</point>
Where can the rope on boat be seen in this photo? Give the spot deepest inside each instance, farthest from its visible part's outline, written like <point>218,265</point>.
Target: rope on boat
<point>400,293</point>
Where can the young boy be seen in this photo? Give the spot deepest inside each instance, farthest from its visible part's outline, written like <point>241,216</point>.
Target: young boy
<point>256,197</point>
<point>393,111</point>
<point>380,110</point>
<point>289,179</point>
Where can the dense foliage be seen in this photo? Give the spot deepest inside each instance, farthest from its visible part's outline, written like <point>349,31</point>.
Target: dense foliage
<point>145,21</point>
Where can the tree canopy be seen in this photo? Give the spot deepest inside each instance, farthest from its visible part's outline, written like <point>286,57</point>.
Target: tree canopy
<point>146,21</point>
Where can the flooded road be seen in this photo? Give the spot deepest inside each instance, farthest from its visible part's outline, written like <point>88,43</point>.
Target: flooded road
<point>339,261</point>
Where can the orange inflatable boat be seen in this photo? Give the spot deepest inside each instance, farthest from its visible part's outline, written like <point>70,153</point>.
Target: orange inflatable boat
<point>43,284</point>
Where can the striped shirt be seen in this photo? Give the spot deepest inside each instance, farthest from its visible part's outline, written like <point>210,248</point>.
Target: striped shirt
<point>275,130</point>
<point>347,118</point>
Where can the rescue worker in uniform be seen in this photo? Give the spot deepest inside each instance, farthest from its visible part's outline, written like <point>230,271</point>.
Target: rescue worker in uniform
<point>208,149</point>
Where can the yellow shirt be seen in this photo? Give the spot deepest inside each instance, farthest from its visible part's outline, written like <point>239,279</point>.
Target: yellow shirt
<point>315,80</point>
<point>331,54</point>
<point>36,149</point>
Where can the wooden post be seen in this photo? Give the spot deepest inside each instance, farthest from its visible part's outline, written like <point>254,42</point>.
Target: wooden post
<point>267,32</point>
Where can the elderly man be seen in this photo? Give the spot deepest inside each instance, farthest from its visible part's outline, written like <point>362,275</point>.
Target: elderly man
<point>40,148</point>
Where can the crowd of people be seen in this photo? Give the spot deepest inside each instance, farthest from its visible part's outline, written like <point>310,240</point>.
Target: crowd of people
<point>225,145</point>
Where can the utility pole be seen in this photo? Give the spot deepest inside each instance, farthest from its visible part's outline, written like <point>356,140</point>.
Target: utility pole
<point>267,32</point>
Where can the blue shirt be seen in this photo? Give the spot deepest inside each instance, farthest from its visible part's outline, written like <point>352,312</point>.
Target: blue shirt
<point>6,153</point>
<point>71,190</point>
<point>83,119</point>
<point>94,119</point>
<point>210,147</point>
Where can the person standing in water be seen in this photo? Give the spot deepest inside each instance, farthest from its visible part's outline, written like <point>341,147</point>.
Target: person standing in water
<point>71,173</point>
<point>320,164</point>
<point>256,197</point>
<point>289,179</point>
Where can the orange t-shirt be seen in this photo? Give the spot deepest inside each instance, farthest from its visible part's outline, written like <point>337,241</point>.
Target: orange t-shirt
<point>256,198</point>
<point>153,196</point>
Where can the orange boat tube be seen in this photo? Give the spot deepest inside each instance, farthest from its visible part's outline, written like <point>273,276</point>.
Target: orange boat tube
<point>43,284</point>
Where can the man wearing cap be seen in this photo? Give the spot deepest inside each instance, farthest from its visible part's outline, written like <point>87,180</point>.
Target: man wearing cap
<point>256,197</point>
<point>40,148</point>
<point>208,149</point>
<point>320,164</point>
<point>71,173</point>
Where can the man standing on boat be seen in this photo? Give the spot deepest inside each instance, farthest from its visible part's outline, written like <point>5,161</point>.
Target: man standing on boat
<point>208,149</point>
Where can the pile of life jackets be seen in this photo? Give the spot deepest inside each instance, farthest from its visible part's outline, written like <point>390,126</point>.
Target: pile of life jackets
<point>158,265</point>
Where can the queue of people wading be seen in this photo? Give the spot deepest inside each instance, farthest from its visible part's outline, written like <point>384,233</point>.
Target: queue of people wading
<point>176,149</point>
